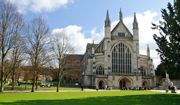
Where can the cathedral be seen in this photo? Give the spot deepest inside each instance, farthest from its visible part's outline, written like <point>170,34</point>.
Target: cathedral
<point>115,62</point>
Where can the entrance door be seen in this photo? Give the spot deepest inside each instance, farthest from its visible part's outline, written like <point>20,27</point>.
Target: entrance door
<point>124,84</point>
<point>145,84</point>
<point>101,84</point>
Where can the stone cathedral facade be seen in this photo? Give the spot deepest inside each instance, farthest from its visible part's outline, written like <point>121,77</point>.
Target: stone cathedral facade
<point>115,62</point>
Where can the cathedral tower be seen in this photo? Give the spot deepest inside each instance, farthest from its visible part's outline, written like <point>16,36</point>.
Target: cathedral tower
<point>107,26</point>
<point>148,51</point>
<point>136,33</point>
<point>136,42</point>
<point>120,16</point>
<point>107,44</point>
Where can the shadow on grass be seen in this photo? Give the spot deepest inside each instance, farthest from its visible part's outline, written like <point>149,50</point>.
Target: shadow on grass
<point>158,99</point>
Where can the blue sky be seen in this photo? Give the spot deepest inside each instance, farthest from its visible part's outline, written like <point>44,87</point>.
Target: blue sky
<point>91,13</point>
<point>83,20</point>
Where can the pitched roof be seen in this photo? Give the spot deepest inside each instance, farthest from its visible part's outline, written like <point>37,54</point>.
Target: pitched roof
<point>120,22</point>
<point>77,56</point>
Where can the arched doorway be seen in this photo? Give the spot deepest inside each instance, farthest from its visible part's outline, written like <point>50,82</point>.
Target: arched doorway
<point>101,84</point>
<point>145,84</point>
<point>124,84</point>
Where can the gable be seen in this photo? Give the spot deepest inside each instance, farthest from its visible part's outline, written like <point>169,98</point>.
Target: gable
<point>100,47</point>
<point>121,30</point>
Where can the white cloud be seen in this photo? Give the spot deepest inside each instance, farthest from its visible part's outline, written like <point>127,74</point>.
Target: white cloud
<point>96,36</point>
<point>40,5</point>
<point>76,37</point>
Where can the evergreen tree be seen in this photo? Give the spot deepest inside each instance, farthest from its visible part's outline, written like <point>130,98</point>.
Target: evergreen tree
<point>169,39</point>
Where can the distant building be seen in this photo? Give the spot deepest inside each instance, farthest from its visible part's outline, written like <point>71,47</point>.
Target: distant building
<point>71,72</point>
<point>115,62</point>
<point>72,68</point>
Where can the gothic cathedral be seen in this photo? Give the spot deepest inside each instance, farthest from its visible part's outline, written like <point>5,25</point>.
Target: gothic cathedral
<point>115,62</point>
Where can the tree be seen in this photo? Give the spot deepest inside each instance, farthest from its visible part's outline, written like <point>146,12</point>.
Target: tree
<point>17,56</point>
<point>169,39</point>
<point>38,30</point>
<point>61,48</point>
<point>10,19</point>
<point>169,68</point>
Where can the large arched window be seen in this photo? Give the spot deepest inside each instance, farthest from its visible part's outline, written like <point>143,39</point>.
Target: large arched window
<point>99,70</point>
<point>121,59</point>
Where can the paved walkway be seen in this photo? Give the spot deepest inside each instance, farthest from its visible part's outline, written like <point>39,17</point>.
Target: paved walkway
<point>164,91</point>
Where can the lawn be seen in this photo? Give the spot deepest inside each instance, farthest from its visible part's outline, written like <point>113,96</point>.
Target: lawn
<point>90,98</point>
<point>28,87</point>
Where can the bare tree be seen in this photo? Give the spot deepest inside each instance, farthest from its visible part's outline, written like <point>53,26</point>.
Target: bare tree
<point>61,47</point>
<point>7,70</point>
<point>17,56</point>
<point>38,30</point>
<point>9,21</point>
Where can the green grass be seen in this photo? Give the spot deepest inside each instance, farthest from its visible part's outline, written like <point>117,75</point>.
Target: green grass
<point>91,98</point>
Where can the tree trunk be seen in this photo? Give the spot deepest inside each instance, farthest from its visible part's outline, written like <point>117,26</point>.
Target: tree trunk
<point>13,78</point>
<point>2,84</point>
<point>58,83</point>
<point>34,80</point>
<point>2,75</point>
<point>59,80</point>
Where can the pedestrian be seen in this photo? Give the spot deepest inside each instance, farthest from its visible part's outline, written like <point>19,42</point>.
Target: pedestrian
<point>82,88</point>
<point>97,88</point>
<point>173,89</point>
<point>105,87</point>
